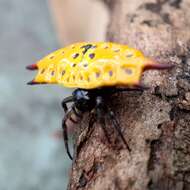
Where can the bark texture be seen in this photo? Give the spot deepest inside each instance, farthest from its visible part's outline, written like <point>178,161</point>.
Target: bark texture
<point>155,123</point>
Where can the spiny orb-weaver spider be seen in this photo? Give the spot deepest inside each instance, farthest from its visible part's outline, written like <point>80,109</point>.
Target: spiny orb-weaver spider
<point>97,70</point>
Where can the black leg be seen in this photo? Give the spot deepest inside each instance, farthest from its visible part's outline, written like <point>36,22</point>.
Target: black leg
<point>68,116</point>
<point>87,135</point>
<point>101,120</point>
<point>65,134</point>
<point>64,126</point>
<point>112,117</point>
<point>90,125</point>
<point>139,87</point>
<point>100,114</point>
<point>65,101</point>
<point>77,112</point>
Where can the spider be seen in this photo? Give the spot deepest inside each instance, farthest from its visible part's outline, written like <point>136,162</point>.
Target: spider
<point>98,70</point>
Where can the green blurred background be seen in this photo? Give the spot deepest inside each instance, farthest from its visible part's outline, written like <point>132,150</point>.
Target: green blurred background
<point>31,158</point>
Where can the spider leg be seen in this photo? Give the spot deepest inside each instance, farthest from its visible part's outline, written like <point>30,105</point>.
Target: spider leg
<point>116,125</point>
<point>76,112</point>
<point>137,87</point>
<point>65,101</point>
<point>90,125</point>
<point>64,125</point>
<point>65,134</point>
<point>101,121</point>
<point>100,114</point>
<point>68,116</point>
<point>92,120</point>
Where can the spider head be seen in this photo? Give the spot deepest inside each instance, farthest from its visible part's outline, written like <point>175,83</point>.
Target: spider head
<point>83,100</point>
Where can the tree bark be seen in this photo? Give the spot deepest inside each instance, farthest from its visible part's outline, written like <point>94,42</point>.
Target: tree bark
<point>155,123</point>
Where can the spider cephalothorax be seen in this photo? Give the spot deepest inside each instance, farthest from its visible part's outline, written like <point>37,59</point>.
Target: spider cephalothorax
<point>96,70</point>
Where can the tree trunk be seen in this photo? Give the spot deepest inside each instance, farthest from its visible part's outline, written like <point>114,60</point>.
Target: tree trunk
<point>155,123</point>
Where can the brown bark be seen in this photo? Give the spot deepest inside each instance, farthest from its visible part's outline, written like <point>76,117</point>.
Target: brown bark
<point>156,123</point>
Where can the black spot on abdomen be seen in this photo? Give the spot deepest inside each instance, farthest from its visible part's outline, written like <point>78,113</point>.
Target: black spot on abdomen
<point>75,55</point>
<point>86,48</point>
<point>92,55</point>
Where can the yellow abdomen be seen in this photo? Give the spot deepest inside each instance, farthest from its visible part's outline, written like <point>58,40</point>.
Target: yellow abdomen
<point>92,65</point>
